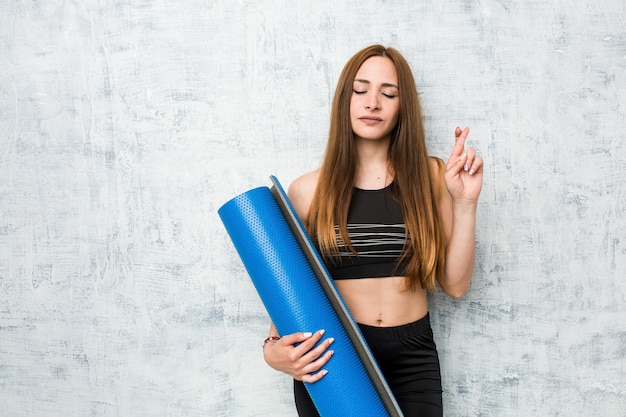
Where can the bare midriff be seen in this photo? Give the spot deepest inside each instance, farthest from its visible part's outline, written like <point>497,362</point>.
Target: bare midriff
<point>383,302</point>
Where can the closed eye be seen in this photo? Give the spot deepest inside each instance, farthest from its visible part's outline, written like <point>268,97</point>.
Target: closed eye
<point>388,95</point>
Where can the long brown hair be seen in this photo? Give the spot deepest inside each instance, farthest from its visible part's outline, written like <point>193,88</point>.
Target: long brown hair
<point>414,181</point>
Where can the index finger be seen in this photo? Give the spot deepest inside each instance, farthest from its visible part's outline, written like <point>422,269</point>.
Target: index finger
<point>306,340</point>
<point>459,144</point>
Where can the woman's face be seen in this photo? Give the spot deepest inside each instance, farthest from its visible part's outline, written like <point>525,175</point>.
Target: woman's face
<point>375,101</point>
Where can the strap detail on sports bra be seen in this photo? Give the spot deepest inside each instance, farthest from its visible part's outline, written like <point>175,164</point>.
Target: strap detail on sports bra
<point>377,232</point>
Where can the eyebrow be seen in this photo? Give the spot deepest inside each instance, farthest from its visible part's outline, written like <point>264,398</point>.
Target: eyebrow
<point>368,82</point>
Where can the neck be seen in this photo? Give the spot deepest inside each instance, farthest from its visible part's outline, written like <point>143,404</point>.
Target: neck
<point>372,152</point>
<point>372,171</point>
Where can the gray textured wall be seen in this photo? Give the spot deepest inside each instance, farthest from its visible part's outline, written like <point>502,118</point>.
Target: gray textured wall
<point>125,125</point>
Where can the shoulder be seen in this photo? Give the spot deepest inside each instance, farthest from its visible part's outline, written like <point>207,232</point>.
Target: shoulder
<point>437,166</point>
<point>438,171</point>
<point>301,192</point>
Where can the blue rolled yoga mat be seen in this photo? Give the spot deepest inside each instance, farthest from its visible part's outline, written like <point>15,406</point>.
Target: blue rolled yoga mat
<point>299,295</point>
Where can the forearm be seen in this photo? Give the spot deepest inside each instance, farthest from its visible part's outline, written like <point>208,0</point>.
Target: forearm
<point>461,250</point>
<point>273,332</point>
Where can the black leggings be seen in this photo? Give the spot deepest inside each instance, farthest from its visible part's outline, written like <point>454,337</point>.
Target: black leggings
<point>407,357</point>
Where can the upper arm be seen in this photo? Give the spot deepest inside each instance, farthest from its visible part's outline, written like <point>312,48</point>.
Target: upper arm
<point>300,194</point>
<point>444,201</point>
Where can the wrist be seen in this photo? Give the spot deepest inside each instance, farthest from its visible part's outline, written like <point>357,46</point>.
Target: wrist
<point>269,339</point>
<point>464,205</point>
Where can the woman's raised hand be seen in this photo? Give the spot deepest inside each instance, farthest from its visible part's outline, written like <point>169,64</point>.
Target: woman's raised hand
<point>464,170</point>
<point>297,355</point>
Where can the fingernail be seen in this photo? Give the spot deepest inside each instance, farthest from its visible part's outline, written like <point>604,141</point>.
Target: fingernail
<point>324,371</point>
<point>307,334</point>
<point>472,171</point>
<point>322,332</point>
<point>466,167</point>
<point>331,340</point>
<point>331,352</point>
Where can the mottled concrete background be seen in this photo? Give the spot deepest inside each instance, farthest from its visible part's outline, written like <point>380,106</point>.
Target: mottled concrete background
<point>125,125</point>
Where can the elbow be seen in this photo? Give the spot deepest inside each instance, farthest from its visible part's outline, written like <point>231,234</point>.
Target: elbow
<point>456,293</point>
<point>456,285</point>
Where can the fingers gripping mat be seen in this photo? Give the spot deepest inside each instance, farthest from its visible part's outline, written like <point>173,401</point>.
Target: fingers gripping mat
<point>298,297</point>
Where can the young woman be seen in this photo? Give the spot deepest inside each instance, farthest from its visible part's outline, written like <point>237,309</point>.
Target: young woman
<point>390,222</point>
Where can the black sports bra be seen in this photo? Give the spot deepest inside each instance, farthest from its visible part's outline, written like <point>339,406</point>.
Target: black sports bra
<point>377,233</point>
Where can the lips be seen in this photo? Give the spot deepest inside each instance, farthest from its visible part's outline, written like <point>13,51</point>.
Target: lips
<point>370,120</point>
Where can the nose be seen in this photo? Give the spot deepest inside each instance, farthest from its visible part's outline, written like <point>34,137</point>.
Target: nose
<point>372,103</point>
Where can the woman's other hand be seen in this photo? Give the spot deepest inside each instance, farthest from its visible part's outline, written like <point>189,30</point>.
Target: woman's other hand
<point>464,170</point>
<point>297,355</point>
